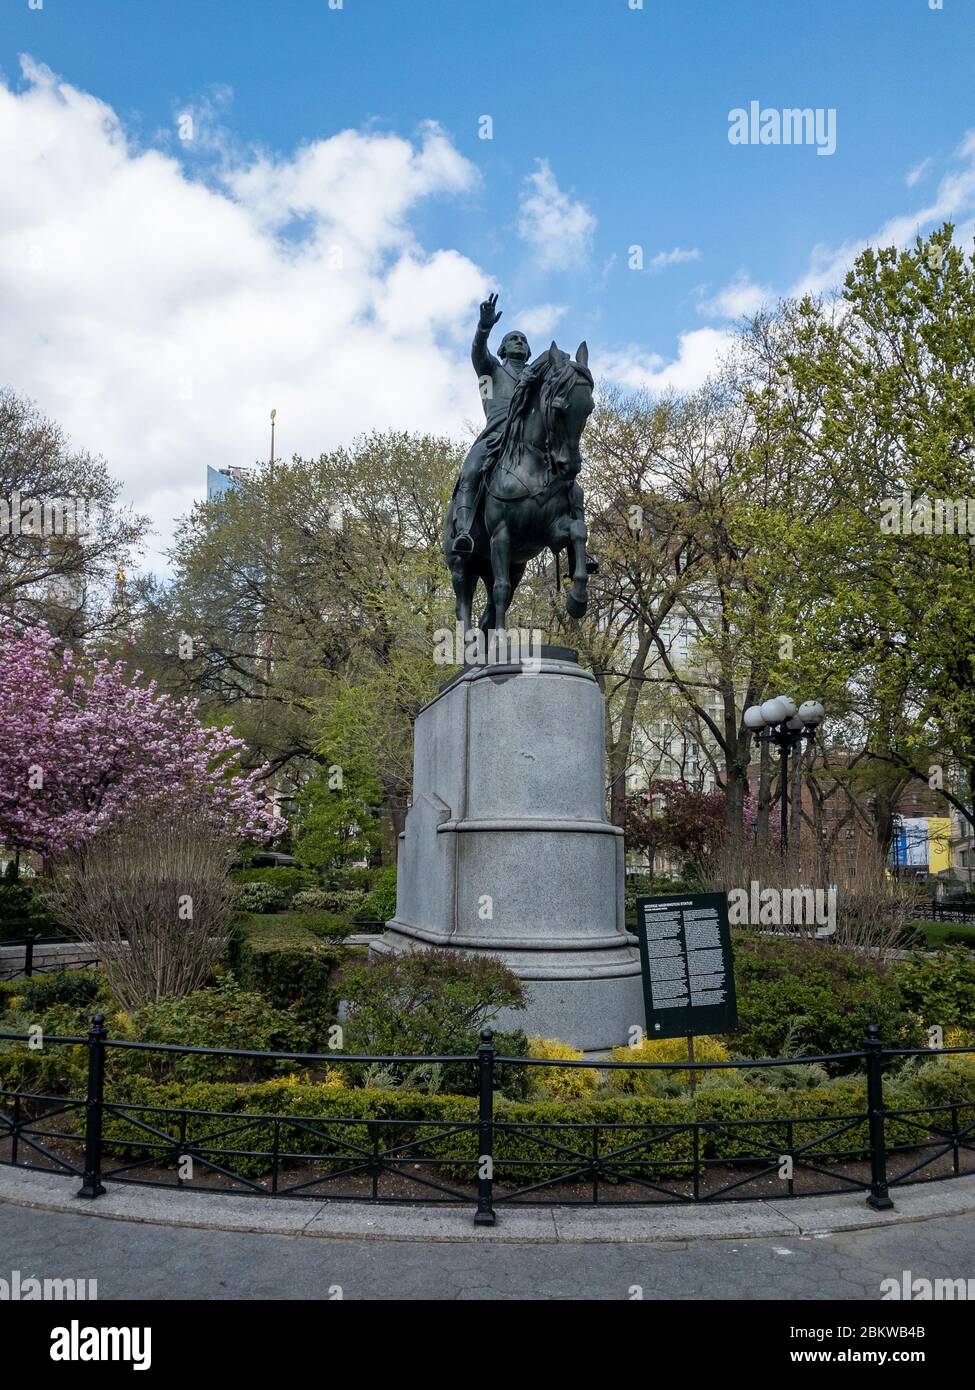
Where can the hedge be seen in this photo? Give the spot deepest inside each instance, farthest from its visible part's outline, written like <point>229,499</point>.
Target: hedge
<point>818,997</point>
<point>291,967</point>
<point>815,1115</point>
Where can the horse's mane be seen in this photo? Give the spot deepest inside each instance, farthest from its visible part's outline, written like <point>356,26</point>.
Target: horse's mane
<point>548,380</point>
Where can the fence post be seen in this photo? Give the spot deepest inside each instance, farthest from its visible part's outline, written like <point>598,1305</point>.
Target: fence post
<point>94,1104</point>
<point>485,1216</point>
<point>879,1197</point>
<point>29,953</point>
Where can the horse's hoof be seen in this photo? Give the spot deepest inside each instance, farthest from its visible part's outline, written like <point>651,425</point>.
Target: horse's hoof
<point>576,607</point>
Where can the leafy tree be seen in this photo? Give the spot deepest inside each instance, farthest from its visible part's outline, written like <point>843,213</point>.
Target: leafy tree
<point>63,535</point>
<point>892,588</point>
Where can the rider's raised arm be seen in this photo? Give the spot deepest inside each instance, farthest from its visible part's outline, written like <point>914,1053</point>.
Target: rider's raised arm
<point>485,362</point>
<point>483,358</point>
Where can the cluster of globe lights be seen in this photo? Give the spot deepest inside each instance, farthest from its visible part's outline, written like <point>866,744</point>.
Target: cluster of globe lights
<point>782,710</point>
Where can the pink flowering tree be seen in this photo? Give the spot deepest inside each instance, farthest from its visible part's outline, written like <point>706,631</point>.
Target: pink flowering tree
<point>83,746</point>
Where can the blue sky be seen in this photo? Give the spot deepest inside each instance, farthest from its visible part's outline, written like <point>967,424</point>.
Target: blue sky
<point>610,124</point>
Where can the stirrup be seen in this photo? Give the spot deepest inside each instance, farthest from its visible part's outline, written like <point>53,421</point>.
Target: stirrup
<point>463,543</point>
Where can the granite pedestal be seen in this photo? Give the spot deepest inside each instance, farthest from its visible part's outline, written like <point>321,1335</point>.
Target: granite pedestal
<point>507,850</point>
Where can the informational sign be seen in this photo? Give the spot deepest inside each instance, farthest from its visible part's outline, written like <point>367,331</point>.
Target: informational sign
<point>688,971</point>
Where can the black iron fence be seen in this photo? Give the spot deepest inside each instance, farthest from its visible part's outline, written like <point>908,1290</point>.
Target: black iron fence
<point>475,1151</point>
<point>23,969</point>
<point>961,909</point>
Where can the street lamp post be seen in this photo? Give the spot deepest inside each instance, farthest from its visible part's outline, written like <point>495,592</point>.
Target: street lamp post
<point>780,721</point>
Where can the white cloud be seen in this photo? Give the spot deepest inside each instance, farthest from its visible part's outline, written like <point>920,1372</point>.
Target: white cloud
<point>558,228</point>
<point>698,353</point>
<point>916,174</point>
<point>159,317</point>
<point>540,320</point>
<point>676,257</point>
<point>954,200</point>
<point>742,297</point>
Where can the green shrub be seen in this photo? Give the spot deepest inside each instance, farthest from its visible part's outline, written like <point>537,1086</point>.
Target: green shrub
<point>327,926</point>
<point>22,905</point>
<point>78,988</point>
<point>341,902</point>
<point>259,897</point>
<point>293,969</point>
<point>426,1002</point>
<point>433,1002</point>
<point>285,881</point>
<point>940,987</point>
<point>811,1123</point>
<point>353,877</point>
<point>816,995</point>
<point>227,1016</point>
<point>50,1069</point>
<point>957,937</point>
<point>381,904</point>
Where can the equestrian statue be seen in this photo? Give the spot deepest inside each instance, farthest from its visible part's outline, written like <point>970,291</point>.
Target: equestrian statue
<point>518,491</point>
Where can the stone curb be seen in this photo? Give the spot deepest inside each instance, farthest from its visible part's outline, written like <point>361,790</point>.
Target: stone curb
<point>808,1217</point>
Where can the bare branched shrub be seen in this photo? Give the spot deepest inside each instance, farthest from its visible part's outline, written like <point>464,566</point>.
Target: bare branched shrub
<point>872,908</point>
<point>154,901</point>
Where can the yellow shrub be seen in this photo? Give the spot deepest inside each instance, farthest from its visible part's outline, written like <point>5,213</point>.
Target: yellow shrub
<point>665,1050</point>
<point>956,1036</point>
<point>561,1083</point>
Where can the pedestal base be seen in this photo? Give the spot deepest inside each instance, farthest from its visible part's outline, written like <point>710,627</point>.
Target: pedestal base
<point>507,850</point>
<point>592,1013</point>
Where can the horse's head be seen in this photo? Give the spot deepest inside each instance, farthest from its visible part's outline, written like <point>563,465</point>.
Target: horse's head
<point>567,404</point>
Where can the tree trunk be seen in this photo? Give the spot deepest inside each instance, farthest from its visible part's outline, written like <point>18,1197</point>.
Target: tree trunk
<point>764,791</point>
<point>795,819</point>
<point>619,751</point>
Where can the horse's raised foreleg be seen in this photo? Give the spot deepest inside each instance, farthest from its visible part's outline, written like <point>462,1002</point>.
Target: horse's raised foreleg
<point>574,535</point>
<point>577,599</point>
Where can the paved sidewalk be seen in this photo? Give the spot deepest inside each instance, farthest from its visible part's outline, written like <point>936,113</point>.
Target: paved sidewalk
<point>159,1263</point>
<point>803,1216</point>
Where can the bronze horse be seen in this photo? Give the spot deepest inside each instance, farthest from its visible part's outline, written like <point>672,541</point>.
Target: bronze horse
<point>530,496</point>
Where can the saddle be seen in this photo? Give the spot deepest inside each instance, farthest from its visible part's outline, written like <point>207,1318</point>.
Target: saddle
<point>531,485</point>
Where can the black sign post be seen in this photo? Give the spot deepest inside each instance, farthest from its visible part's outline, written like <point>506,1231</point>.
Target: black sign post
<point>688,971</point>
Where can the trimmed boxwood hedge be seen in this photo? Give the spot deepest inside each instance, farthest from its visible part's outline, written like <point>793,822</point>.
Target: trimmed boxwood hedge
<point>292,968</point>
<point>722,1112</point>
